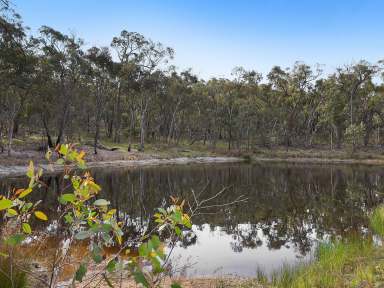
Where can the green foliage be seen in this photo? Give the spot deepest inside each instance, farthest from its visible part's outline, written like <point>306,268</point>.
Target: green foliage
<point>354,134</point>
<point>80,272</point>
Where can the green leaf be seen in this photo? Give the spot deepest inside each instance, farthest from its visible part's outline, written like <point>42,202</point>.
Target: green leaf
<point>15,239</point>
<point>177,231</point>
<point>65,198</point>
<point>177,217</point>
<point>162,210</point>
<point>80,273</point>
<point>31,182</point>
<point>31,170</point>
<point>149,246</point>
<point>187,222</point>
<point>83,235</point>
<point>175,285</point>
<point>68,218</point>
<point>156,265</point>
<point>155,241</point>
<point>11,212</point>
<point>5,203</point>
<point>26,207</point>
<point>63,149</point>
<point>26,228</point>
<point>106,237</point>
<point>140,278</point>
<point>111,266</point>
<point>143,250</point>
<point>106,228</point>
<point>101,202</point>
<point>60,161</point>
<point>96,254</point>
<point>75,182</point>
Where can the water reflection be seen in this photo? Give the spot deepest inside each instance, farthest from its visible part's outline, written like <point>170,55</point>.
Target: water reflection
<point>289,208</point>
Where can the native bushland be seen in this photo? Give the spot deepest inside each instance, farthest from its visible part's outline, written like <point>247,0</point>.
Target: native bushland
<point>54,86</point>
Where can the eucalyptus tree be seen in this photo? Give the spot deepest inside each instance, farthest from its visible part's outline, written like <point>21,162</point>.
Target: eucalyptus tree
<point>353,82</point>
<point>351,78</point>
<point>129,47</point>
<point>16,68</point>
<point>134,50</point>
<point>371,109</point>
<point>100,73</point>
<point>290,89</point>
<point>207,112</point>
<point>154,55</point>
<point>333,109</point>
<point>63,60</point>
<point>249,102</point>
<point>266,126</point>
<point>179,88</point>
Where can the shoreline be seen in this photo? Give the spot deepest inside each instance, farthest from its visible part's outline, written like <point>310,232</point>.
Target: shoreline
<point>17,171</point>
<point>20,170</point>
<point>157,155</point>
<point>317,160</point>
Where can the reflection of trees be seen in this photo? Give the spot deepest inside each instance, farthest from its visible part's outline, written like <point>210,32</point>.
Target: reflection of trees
<point>288,204</point>
<point>189,239</point>
<point>244,236</point>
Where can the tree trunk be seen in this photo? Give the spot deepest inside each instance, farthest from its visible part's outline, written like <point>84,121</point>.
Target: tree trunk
<point>63,121</point>
<point>131,129</point>
<point>118,116</point>
<point>229,137</point>
<point>142,127</point>
<point>49,138</point>
<point>109,129</point>
<point>10,136</point>
<point>171,128</point>
<point>16,126</point>
<point>367,136</point>
<point>97,130</point>
<point>338,132</point>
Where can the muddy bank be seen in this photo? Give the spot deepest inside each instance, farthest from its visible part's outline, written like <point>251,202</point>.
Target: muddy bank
<point>6,171</point>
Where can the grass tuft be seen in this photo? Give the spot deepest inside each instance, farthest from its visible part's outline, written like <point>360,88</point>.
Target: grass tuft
<point>377,221</point>
<point>337,264</point>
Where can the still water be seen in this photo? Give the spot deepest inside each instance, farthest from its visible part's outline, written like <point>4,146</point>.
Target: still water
<point>290,208</point>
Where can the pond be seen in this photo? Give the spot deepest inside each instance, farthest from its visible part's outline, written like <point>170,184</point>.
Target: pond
<point>290,208</point>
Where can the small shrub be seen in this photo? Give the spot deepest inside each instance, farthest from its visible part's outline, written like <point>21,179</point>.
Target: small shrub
<point>83,216</point>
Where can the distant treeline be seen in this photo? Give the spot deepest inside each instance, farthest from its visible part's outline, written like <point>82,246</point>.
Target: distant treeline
<point>52,86</point>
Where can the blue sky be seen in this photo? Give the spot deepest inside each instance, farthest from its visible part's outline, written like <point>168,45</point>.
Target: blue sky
<point>213,36</point>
